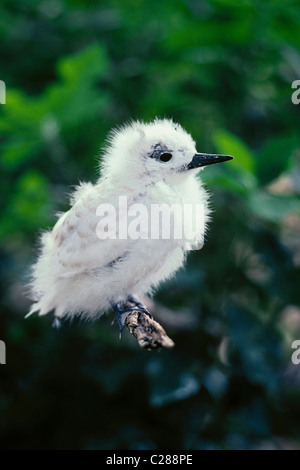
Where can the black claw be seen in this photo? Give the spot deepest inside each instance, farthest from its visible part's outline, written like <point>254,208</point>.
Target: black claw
<point>141,309</point>
<point>120,311</point>
<point>135,301</point>
<point>138,305</point>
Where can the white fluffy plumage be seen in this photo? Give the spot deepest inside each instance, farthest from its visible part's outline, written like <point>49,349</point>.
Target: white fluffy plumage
<point>78,273</point>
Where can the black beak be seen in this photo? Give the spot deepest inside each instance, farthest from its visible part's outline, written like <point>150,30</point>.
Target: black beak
<point>203,159</point>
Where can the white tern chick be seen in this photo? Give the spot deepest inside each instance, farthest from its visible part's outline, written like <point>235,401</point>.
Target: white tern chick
<point>79,271</point>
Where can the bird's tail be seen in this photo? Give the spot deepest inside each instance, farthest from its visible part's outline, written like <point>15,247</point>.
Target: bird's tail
<point>34,308</point>
<point>43,307</point>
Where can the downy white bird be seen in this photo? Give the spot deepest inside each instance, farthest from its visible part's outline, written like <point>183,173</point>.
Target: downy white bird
<point>77,272</point>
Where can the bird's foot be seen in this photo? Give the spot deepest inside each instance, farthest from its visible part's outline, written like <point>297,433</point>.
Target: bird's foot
<point>138,305</point>
<point>132,304</point>
<point>141,325</point>
<point>119,312</point>
<point>135,301</point>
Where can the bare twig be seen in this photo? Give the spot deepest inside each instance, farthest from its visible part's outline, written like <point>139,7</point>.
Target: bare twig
<point>148,332</point>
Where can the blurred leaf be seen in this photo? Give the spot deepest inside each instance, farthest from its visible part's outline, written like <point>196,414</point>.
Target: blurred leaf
<point>29,207</point>
<point>84,67</point>
<point>275,157</point>
<point>229,179</point>
<point>229,144</point>
<point>16,152</point>
<point>271,207</point>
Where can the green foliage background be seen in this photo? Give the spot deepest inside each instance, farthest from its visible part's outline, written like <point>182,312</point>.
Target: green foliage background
<point>223,69</point>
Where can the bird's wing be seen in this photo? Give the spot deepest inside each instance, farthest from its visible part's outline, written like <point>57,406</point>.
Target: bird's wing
<point>78,240</point>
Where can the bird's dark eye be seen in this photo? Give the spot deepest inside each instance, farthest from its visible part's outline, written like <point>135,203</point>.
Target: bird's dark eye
<point>165,157</point>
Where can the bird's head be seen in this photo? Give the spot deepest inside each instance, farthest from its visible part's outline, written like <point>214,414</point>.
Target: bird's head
<point>152,152</point>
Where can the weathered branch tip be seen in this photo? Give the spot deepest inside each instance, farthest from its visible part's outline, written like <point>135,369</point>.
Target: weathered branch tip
<point>148,332</point>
